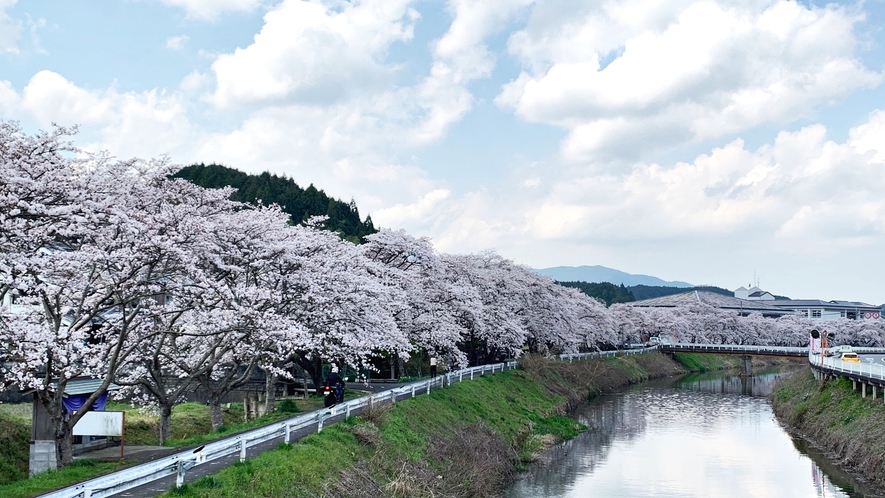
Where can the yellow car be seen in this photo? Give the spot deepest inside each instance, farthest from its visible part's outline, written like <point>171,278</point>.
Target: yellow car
<point>852,357</point>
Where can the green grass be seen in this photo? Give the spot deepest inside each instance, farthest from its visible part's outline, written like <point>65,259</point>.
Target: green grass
<point>80,470</point>
<point>15,436</point>
<point>190,426</point>
<point>837,419</point>
<point>191,423</point>
<point>289,471</point>
<point>705,362</point>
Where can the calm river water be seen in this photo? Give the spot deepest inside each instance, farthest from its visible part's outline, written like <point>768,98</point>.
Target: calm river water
<point>710,435</point>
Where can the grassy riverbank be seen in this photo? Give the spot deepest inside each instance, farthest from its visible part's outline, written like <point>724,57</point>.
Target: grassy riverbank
<point>836,419</point>
<point>465,440</point>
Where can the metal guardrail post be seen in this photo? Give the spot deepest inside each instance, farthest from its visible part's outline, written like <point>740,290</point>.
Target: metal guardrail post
<point>242,450</point>
<point>288,433</point>
<point>179,477</point>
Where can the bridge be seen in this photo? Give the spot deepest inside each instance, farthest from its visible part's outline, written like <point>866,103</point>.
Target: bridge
<point>868,374</point>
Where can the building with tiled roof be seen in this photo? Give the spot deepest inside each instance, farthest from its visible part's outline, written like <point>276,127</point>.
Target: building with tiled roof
<point>741,306</point>
<point>830,310</point>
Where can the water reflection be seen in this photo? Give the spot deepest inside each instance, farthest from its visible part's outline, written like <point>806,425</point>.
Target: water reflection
<point>699,436</point>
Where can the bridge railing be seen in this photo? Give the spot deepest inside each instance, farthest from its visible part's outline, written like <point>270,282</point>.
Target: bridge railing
<point>736,348</point>
<point>179,463</point>
<point>871,371</point>
<point>602,354</point>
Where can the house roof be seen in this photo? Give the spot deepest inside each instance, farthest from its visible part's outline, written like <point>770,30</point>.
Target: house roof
<point>86,386</point>
<point>712,299</point>
<point>817,303</point>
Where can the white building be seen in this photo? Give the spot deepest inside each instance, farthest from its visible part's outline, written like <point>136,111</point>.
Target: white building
<point>814,308</point>
<point>753,294</point>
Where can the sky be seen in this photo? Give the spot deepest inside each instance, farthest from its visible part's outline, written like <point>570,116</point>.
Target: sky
<point>721,142</point>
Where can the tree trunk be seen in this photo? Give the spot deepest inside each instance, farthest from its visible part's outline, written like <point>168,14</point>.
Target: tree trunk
<point>270,391</point>
<point>64,449</point>
<point>314,368</point>
<point>165,423</point>
<point>215,412</point>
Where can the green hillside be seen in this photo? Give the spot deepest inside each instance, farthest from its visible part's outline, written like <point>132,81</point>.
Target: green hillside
<point>299,203</point>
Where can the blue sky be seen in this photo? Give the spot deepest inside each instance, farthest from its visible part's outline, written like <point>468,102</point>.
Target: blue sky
<point>703,141</point>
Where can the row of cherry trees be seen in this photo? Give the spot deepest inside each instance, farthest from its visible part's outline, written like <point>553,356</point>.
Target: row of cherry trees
<point>704,324</point>
<point>125,275</point>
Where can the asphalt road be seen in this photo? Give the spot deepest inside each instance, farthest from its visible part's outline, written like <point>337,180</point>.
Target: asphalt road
<point>875,358</point>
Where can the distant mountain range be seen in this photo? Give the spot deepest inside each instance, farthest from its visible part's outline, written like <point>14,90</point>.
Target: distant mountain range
<point>602,274</point>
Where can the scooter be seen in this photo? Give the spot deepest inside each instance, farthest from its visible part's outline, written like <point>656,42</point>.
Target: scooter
<point>329,396</point>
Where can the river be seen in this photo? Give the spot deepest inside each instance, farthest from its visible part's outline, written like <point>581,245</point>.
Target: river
<point>707,435</point>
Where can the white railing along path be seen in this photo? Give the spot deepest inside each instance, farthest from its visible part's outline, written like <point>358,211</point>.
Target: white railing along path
<point>179,463</point>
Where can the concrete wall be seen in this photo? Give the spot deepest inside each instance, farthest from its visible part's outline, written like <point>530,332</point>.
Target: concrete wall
<point>42,456</point>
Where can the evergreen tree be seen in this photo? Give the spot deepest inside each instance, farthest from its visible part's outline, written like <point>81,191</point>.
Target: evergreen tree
<point>300,204</point>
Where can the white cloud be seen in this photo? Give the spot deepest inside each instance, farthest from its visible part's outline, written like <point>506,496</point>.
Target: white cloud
<point>460,56</point>
<point>803,196</point>
<point>176,42</point>
<point>311,53</point>
<point>52,98</point>
<point>10,29</point>
<point>142,124</point>
<point>209,10</point>
<point>870,136</point>
<point>679,73</point>
<point>416,213</point>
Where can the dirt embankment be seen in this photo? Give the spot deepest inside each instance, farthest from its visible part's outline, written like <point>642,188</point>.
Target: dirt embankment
<point>578,381</point>
<point>837,420</point>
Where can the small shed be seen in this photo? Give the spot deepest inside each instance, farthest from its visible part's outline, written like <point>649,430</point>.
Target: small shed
<point>76,392</point>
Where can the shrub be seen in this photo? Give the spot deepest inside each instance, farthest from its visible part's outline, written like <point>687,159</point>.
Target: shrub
<point>288,406</point>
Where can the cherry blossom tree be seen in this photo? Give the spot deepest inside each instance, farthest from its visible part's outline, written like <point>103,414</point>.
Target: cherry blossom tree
<point>85,262</point>
<point>344,313</point>
<point>431,305</point>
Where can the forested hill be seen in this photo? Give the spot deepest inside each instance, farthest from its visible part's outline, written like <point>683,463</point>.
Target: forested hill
<point>607,291</point>
<point>611,293</point>
<point>299,203</point>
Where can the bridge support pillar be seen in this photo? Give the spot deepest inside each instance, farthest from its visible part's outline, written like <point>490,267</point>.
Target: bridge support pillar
<point>874,391</point>
<point>854,385</point>
<point>863,388</point>
<point>746,366</point>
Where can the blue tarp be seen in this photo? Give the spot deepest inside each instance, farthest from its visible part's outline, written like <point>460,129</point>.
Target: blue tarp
<point>75,401</point>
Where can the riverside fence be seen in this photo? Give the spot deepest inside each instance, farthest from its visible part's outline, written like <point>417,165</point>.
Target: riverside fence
<point>179,463</point>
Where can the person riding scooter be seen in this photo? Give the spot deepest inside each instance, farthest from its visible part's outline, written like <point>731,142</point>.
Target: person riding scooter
<point>333,391</point>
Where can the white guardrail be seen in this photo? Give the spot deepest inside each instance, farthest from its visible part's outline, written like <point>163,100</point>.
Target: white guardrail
<point>602,354</point>
<point>181,462</point>
<point>864,370</point>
